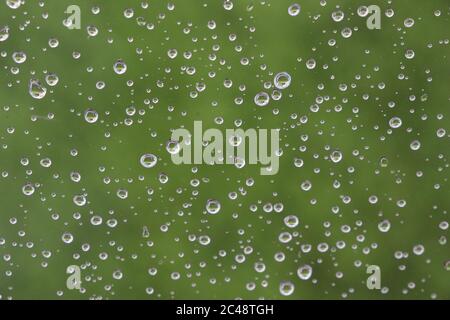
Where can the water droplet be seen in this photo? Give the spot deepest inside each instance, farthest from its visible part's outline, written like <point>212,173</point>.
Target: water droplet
<point>118,274</point>
<point>46,162</point>
<point>409,22</point>
<point>262,99</point>
<point>282,80</point>
<point>79,200</point>
<point>148,160</point>
<point>336,156</point>
<point>415,145</point>
<point>291,221</point>
<point>67,237</point>
<point>91,116</point>
<point>384,162</point>
<point>395,122</point>
<point>259,267</point>
<point>96,220</point>
<point>418,250</point>
<point>128,13</point>
<point>36,90</point>
<point>4,33</point>
<point>294,9</point>
<point>337,16</point>
<point>213,206</point>
<point>311,64</point>
<point>120,67</point>
<point>204,240</point>
<point>228,5</point>
<point>122,193</point>
<point>173,147</point>
<point>447,265</point>
<point>306,185</point>
<point>53,43</point>
<point>287,288</point>
<point>92,31</point>
<point>19,57</point>
<point>363,11</point>
<point>28,189</point>
<point>14,4</point>
<point>305,272</point>
<point>52,79</point>
<point>409,54</point>
<point>346,33</point>
<point>145,232</point>
<point>172,53</point>
<point>440,132</point>
<point>384,226</point>
<point>298,162</point>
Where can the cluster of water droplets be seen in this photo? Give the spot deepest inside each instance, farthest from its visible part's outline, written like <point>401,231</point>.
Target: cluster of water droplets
<point>88,151</point>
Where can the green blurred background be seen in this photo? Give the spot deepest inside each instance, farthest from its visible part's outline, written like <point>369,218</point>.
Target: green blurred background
<point>372,66</point>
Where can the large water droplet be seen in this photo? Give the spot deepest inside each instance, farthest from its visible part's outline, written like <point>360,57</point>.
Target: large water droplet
<point>4,33</point>
<point>282,80</point>
<point>36,90</point>
<point>28,189</point>
<point>91,116</point>
<point>14,4</point>
<point>120,67</point>
<point>294,9</point>
<point>262,99</point>
<point>213,206</point>
<point>19,57</point>
<point>148,160</point>
<point>384,226</point>
<point>305,272</point>
<point>287,288</point>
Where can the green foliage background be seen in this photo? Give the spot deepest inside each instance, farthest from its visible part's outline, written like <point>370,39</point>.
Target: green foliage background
<point>273,41</point>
